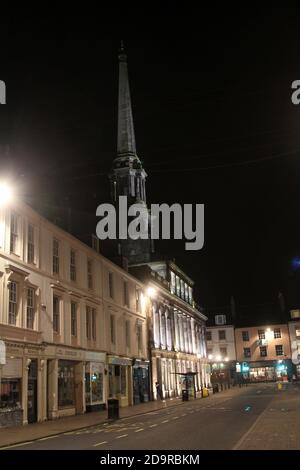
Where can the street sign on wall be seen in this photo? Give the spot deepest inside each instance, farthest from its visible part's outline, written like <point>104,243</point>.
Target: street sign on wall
<point>2,353</point>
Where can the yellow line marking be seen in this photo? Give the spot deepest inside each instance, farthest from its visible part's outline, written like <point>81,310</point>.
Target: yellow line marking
<point>100,443</point>
<point>120,437</point>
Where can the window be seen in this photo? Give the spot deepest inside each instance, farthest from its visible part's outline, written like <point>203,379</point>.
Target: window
<point>277,333</point>
<point>138,299</point>
<point>297,330</point>
<point>190,295</point>
<point>220,319</point>
<point>72,265</point>
<point>263,351</point>
<point>90,273</point>
<point>182,293</point>
<point>73,319</point>
<point>10,393</point>
<point>222,335</point>
<point>14,233</point>
<point>279,350</point>
<point>88,322</point>
<point>223,352</point>
<point>247,352</point>
<point>295,314</point>
<point>112,329</point>
<point>94,324</point>
<point>56,314</point>
<point>208,335</point>
<point>125,293</point>
<point>177,286</point>
<point>55,257</point>
<point>139,332</point>
<point>30,309</point>
<point>261,334</point>
<point>173,283</point>
<point>245,335</point>
<point>127,334</point>
<point>111,285</point>
<point>66,384</point>
<point>13,304</point>
<point>186,288</point>
<point>30,244</point>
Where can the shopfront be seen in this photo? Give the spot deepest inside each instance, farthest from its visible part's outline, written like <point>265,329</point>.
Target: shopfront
<point>140,381</point>
<point>11,410</point>
<point>120,379</point>
<point>94,386</point>
<point>268,371</point>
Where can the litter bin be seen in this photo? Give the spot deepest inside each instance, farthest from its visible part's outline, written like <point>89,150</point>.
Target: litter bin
<point>205,392</point>
<point>215,388</point>
<point>113,408</point>
<point>185,395</point>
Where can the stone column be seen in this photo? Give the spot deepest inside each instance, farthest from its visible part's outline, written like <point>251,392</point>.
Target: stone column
<point>42,390</point>
<point>25,367</point>
<point>53,389</point>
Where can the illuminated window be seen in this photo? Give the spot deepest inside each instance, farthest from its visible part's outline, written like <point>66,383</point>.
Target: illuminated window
<point>245,335</point>
<point>279,350</point>
<point>14,232</point>
<point>277,333</point>
<point>222,334</point>
<point>208,335</point>
<point>263,351</point>
<point>261,334</point>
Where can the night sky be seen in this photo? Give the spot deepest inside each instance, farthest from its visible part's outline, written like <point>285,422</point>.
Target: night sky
<point>214,124</point>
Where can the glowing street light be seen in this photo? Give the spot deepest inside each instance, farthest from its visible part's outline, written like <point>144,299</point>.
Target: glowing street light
<point>219,358</point>
<point>210,356</point>
<point>226,359</point>
<point>6,194</point>
<point>151,292</point>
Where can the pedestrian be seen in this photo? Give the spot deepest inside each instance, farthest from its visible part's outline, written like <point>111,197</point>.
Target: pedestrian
<point>158,391</point>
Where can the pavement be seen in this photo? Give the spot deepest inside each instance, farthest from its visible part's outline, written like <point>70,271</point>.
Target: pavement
<point>258,416</point>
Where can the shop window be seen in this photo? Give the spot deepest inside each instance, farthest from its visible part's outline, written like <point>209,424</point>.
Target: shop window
<point>94,384</point>
<point>13,303</point>
<point>261,334</point>
<point>263,351</point>
<point>30,309</point>
<point>66,384</point>
<point>279,350</point>
<point>10,396</point>
<point>277,333</point>
<point>245,335</point>
<point>123,380</point>
<point>247,352</point>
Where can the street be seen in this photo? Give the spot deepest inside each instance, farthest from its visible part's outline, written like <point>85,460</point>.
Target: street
<point>219,422</point>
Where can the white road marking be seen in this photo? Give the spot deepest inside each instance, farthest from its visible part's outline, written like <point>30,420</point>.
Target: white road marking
<point>49,437</point>
<point>153,426</point>
<point>17,445</point>
<point>176,417</point>
<point>100,443</point>
<point>139,430</point>
<point>120,437</point>
<point>165,421</point>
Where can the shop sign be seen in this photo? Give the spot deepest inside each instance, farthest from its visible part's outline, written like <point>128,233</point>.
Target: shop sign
<point>119,361</point>
<point>2,353</point>
<point>238,367</point>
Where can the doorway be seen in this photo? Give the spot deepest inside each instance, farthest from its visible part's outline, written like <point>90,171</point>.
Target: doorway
<point>32,392</point>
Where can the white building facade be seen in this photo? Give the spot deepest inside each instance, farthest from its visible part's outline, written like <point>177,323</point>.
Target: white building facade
<point>72,324</point>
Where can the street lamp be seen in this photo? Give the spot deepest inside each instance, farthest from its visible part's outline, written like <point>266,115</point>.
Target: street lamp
<point>6,193</point>
<point>151,292</point>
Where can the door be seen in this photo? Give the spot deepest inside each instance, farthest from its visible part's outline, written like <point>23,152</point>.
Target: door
<point>32,392</point>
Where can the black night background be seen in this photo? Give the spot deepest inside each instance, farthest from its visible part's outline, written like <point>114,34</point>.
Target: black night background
<point>214,124</point>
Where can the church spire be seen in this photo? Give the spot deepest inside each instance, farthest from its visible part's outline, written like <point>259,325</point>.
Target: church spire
<point>126,137</point>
